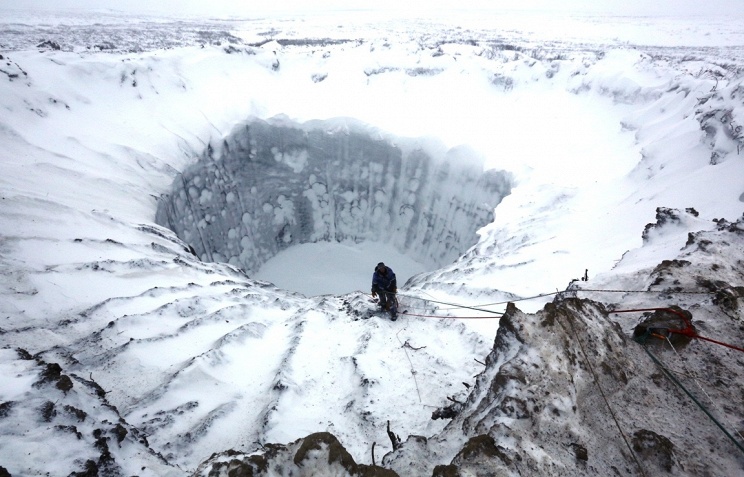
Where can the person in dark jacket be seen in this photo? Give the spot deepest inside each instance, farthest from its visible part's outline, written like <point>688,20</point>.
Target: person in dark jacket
<point>385,285</point>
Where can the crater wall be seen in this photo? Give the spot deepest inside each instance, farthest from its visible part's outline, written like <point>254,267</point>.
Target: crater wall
<point>272,185</point>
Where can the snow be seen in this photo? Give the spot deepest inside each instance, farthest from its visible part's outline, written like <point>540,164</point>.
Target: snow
<point>334,268</point>
<point>595,122</point>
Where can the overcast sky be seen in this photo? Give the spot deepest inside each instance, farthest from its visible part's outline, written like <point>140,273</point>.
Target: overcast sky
<point>243,7</point>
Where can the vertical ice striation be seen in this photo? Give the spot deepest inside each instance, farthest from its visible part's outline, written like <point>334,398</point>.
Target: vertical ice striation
<point>272,185</point>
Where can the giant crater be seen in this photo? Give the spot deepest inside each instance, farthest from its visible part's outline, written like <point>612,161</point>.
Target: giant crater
<point>273,184</point>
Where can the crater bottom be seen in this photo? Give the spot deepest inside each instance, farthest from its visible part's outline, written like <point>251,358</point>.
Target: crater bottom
<point>335,268</point>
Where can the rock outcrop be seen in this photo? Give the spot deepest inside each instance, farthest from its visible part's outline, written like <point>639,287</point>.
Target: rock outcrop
<point>317,454</point>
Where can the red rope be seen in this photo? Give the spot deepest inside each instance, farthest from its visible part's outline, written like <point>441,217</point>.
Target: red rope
<point>687,331</point>
<point>716,342</point>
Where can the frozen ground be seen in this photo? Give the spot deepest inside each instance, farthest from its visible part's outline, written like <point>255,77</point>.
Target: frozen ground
<point>334,268</point>
<point>597,121</point>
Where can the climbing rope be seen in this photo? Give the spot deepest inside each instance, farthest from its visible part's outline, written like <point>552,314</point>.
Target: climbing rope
<point>604,397</point>
<point>452,304</point>
<point>697,381</point>
<point>642,340</point>
<point>413,371</point>
<point>513,300</point>
<point>451,317</point>
<point>737,348</point>
<point>543,295</point>
<point>688,330</point>
<point>448,317</point>
<point>666,292</point>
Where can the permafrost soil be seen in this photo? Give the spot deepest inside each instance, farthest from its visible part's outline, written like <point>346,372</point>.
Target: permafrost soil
<point>272,186</point>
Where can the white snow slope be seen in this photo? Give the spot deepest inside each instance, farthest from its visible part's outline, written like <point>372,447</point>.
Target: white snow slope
<point>170,359</point>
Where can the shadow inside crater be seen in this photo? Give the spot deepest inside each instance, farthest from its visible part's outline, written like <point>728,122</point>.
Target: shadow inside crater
<point>274,184</point>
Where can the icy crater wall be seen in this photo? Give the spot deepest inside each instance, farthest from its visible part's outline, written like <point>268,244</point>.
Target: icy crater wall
<point>272,185</point>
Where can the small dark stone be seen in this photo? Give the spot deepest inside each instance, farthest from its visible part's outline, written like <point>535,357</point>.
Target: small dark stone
<point>480,446</point>
<point>375,471</point>
<point>120,432</point>
<point>79,414</point>
<point>580,452</point>
<point>446,471</point>
<point>5,408</point>
<point>106,459</point>
<point>100,392</point>
<point>91,470</point>
<point>48,411</point>
<point>71,429</point>
<point>49,44</point>
<point>654,448</point>
<point>336,451</point>
<point>728,297</point>
<point>51,372</point>
<point>64,383</point>
<point>447,412</point>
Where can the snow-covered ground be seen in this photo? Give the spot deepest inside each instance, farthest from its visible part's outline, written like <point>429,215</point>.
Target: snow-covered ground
<point>334,268</point>
<point>597,121</point>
